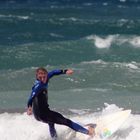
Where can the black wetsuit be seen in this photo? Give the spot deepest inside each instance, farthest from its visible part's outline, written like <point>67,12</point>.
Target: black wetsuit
<point>39,101</point>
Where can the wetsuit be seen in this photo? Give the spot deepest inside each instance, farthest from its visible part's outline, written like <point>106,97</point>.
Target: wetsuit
<point>39,101</point>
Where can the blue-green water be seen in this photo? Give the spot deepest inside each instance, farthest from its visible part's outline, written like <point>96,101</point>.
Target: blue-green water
<point>100,41</point>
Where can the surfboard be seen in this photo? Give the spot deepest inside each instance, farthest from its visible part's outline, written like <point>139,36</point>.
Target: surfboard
<point>107,125</point>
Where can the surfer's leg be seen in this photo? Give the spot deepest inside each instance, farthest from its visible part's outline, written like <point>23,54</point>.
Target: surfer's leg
<point>52,130</point>
<point>56,117</point>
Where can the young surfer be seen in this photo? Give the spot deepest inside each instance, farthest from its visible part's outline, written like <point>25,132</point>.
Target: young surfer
<point>38,103</point>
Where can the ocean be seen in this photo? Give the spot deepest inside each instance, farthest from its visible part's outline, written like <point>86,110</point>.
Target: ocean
<point>98,39</point>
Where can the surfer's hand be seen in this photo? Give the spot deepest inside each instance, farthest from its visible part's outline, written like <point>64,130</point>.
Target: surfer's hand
<point>69,72</point>
<point>29,111</point>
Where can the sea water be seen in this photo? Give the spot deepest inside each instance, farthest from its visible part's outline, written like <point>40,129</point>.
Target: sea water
<point>99,40</point>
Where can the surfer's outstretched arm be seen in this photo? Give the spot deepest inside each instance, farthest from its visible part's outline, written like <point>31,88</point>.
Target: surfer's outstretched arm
<point>59,72</point>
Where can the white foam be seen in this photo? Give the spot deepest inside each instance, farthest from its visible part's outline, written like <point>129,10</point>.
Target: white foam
<point>94,62</point>
<point>135,41</point>
<point>103,42</point>
<point>132,66</point>
<point>69,19</point>
<point>16,126</point>
<point>107,41</point>
<point>14,16</point>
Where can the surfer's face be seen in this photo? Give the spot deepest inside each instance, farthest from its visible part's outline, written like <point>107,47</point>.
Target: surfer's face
<point>42,76</point>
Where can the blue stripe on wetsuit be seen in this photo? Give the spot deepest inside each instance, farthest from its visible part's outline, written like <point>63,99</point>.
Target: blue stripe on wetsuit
<point>79,128</point>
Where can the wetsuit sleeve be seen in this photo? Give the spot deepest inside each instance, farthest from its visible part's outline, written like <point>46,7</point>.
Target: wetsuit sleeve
<point>56,72</point>
<point>34,92</point>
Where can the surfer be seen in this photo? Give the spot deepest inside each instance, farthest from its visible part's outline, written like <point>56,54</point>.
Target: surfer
<point>38,104</point>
